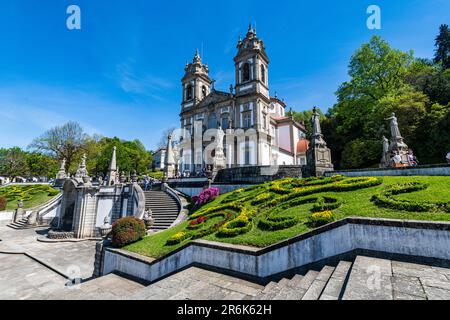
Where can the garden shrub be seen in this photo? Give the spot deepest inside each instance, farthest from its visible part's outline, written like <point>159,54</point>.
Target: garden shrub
<point>177,238</point>
<point>240,225</point>
<point>3,203</point>
<point>321,218</point>
<point>385,199</point>
<point>127,230</point>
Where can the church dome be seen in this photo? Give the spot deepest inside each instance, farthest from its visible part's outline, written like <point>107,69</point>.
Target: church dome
<point>302,145</point>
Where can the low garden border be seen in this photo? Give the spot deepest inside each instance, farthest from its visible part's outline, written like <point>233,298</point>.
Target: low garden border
<point>402,237</point>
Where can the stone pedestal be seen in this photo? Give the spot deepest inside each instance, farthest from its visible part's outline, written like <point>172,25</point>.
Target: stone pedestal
<point>318,155</point>
<point>319,161</point>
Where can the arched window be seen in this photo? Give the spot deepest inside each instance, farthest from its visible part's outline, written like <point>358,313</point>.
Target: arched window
<point>246,72</point>
<point>203,91</point>
<point>263,74</point>
<point>189,92</point>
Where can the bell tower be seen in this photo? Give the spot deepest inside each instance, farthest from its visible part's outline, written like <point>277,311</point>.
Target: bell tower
<point>196,83</point>
<point>251,64</point>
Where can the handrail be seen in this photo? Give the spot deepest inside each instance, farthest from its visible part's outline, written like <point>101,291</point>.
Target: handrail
<point>176,195</point>
<point>139,193</point>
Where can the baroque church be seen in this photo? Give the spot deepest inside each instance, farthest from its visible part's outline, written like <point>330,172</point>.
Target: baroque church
<point>268,136</point>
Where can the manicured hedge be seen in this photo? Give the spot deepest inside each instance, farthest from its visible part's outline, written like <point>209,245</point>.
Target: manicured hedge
<point>385,199</point>
<point>321,218</point>
<point>269,202</point>
<point>127,230</point>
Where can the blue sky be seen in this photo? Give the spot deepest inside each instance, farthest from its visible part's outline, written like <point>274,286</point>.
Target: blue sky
<point>120,74</point>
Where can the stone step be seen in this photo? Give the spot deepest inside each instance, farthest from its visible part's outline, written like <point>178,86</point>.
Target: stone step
<point>334,288</point>
<point>370,279</point>
<point>318,285</point>
<point>198,284</point>
<point>291,291</point>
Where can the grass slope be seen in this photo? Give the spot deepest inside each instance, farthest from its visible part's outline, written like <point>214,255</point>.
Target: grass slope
<point>353,203</point>
<point>31,195</point>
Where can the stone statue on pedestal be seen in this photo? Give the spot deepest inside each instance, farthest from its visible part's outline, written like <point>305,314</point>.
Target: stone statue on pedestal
<point>318,154</point>
<point>397,143</point>
<point>397,147</point>
<point>61,175</point>
<point>219,161</point>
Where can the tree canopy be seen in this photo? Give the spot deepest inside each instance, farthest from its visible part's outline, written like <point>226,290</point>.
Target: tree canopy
<point>385,80</point>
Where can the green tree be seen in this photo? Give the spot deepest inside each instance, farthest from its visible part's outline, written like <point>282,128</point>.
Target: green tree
<point>131,156</point>
<point>442,55</point>
<point>13,162</point>
<point>376,72</point>
<point>62,142</point>
<point>41,165</point>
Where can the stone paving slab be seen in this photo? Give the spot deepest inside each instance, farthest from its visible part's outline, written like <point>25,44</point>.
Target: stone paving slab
<point>23,278</point>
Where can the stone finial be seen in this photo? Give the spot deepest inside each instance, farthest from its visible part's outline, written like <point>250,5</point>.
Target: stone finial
<point>197,58</point>
<point>112,172</point>
<point>134,177</point>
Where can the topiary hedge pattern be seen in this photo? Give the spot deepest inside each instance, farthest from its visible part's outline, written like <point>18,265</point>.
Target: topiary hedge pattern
<point>127,230</point>
<point>265,207</point>
<point>386,199</point>
<point>26,193</point>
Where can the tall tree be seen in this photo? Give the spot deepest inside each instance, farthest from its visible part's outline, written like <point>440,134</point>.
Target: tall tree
<point>13,163</point>
<point>376,70</point>
<point>442,44</point>
<point>41,165</point>
<point>63,142</point>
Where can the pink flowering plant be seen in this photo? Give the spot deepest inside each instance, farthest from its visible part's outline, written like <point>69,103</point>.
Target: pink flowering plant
<point>205,196</point>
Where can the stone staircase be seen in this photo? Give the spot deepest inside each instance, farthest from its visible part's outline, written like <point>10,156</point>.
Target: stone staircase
<point>23,224</point>
<point>365,278</point>
<point>164,207</point>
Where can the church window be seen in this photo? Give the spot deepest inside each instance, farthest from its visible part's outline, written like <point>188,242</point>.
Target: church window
<point>246,72</point>
<point>247,119</point>
<point>263,74</point>
<point>225,123</point>
<point>189,92</point>
<point>212,121</point>
<point>203,91</point>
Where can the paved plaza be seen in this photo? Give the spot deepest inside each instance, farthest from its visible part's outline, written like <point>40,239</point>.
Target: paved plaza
<point>31,269</point>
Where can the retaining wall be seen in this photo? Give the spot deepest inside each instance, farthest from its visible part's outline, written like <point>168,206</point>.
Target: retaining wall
<point>431,170</point>
<point>413,238</point>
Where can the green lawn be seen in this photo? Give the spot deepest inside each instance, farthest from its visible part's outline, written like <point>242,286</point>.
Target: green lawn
<point>352,203</point>
<point>31,195</point>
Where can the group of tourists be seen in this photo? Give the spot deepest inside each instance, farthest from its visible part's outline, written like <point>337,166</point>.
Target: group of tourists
<point>149,182</point>
<point>398,161</point>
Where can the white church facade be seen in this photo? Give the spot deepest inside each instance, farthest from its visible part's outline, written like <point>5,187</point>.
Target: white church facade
<point>256,128</point>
